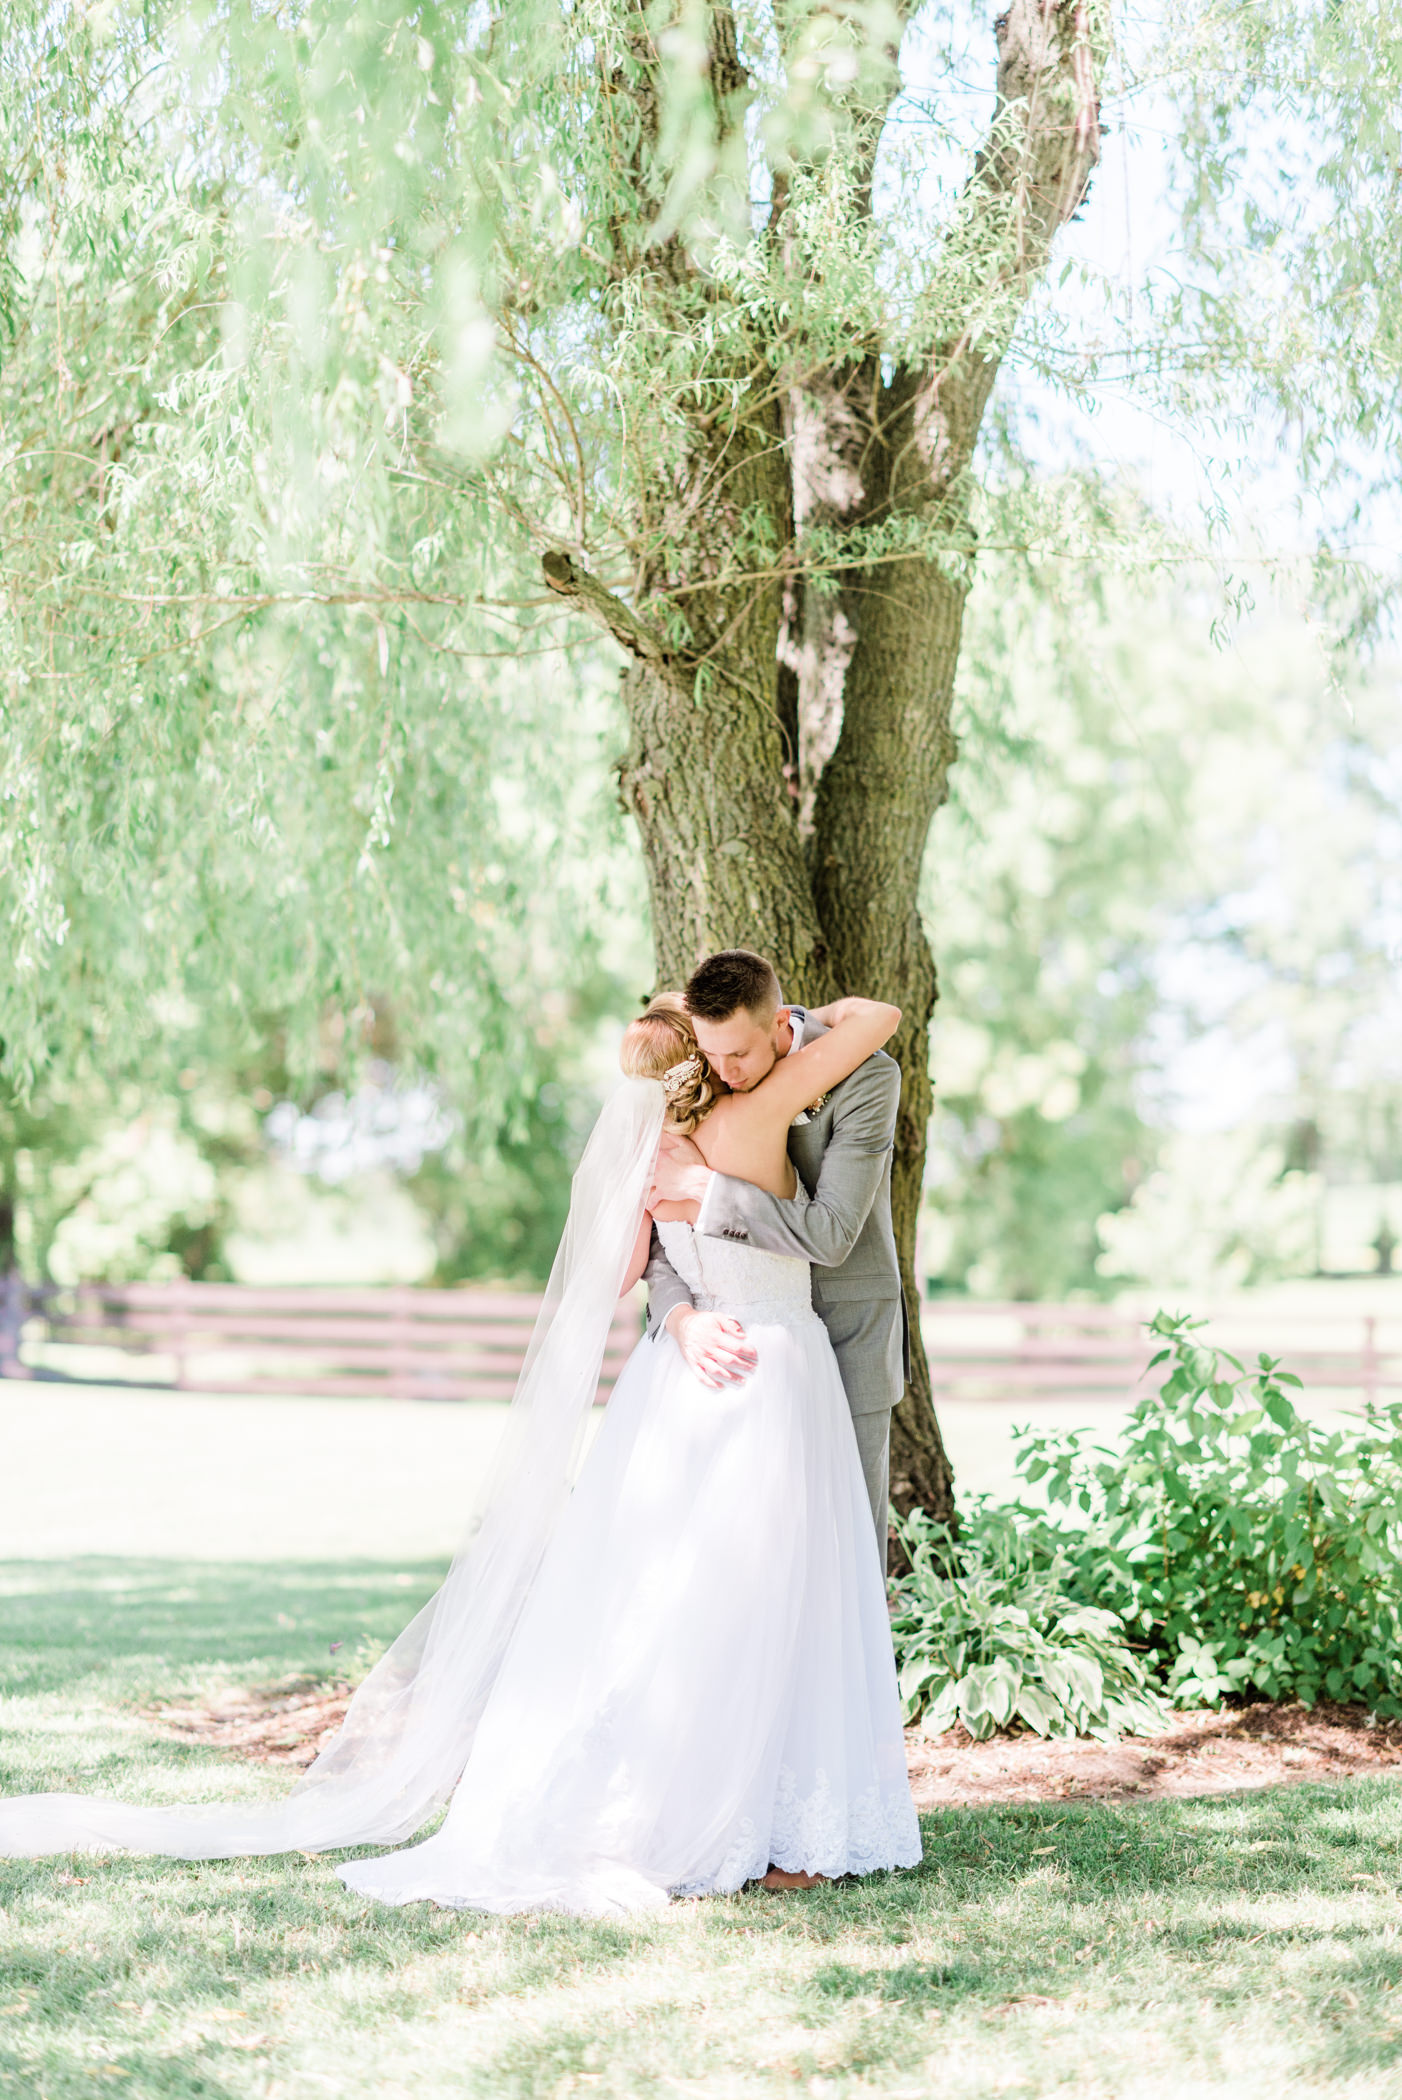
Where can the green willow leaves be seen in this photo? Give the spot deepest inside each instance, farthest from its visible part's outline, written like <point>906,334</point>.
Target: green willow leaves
<point>320,323</point>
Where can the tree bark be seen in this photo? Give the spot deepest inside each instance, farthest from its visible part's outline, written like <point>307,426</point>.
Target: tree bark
<point>787,760</point>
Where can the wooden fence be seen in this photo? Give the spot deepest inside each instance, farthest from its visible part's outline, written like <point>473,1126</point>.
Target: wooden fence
<point>398,1343</point>
<point>1086,1352</point>
<point>468,1344</point>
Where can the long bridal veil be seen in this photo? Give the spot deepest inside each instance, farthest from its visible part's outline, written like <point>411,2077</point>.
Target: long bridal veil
<point>406,1736</point>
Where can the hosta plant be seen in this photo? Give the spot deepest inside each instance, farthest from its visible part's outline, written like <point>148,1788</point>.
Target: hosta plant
<point>988,1633</point>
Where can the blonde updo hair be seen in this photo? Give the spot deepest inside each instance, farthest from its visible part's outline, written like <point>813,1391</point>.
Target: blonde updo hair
<point>661,1037</point>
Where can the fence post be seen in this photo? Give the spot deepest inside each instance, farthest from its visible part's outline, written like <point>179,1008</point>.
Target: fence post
<point>180,1337</point>
<point>401,1332</point>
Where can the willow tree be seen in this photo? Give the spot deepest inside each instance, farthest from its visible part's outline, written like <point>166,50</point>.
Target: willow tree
<point>787,544</point>
<point>358,349</point>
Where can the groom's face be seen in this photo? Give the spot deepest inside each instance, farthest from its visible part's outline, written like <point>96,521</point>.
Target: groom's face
<point>742,1048</point>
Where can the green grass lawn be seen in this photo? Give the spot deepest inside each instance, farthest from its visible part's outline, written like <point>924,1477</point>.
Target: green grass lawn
<point>1215,1946</point>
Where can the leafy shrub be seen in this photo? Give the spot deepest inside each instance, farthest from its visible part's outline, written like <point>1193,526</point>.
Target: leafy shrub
<point>988,1632</point>
<point>1245,1549</point>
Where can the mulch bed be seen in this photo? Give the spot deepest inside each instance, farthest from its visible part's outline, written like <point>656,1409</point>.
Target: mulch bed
<point>1204,1753</point>
<point>1201,1753</point>
<point>273,1724</point>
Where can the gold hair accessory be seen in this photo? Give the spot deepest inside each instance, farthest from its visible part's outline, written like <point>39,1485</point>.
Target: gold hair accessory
<point>677,1076</point>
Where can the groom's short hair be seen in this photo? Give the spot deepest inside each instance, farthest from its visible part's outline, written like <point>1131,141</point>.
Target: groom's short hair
<point>735,978</point>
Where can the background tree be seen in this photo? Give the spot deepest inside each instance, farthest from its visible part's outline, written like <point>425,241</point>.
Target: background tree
<point>1168,888</point>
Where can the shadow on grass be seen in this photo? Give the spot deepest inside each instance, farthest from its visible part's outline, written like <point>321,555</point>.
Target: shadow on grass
<point>1275,1912</point>
<point>1280,1904</point>
<point>96,1953</point>
<point>1077,1916</point>
<point>64,1619</point>
<point>99,1947</point>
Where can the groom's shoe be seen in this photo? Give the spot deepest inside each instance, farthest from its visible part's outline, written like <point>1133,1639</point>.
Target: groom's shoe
<point>776,1878</point>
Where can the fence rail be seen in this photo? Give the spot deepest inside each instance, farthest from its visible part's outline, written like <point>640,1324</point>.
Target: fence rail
<point>1019,1351</point>
<point>398,1343</point>
<point>406,1343</point>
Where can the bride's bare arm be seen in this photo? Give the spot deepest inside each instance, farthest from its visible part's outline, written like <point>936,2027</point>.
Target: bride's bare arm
<point>638,1259</point>
<point>856,1028</point>
<point>674,1150</point>
<point>838,1010</point>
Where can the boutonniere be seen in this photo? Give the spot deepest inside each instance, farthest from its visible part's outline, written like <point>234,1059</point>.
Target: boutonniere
<point>814,1106</point>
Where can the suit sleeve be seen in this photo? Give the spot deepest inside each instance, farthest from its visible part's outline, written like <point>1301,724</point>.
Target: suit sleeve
<point>823,1227</point>
<point>665,1289</point>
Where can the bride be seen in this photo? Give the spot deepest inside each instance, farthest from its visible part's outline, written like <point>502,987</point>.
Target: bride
<point>661,1671</point>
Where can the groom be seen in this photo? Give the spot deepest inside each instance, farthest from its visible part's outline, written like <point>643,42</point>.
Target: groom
<point>840,1218</point>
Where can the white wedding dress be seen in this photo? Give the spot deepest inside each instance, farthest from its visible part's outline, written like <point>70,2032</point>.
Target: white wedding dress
<point>701,1682</point>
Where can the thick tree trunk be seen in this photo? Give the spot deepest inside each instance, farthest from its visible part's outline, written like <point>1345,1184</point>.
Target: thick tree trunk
<point>704,779</point>
<point>874,808</point>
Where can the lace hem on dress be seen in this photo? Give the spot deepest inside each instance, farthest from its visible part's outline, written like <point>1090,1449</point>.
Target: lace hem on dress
<point>819,1834</point>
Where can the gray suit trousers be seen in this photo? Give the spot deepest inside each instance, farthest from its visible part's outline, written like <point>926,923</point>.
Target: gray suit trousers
<point>874,1447</point>
<point>858,1332</point>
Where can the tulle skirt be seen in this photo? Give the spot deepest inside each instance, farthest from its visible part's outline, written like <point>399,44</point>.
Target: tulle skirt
<point>701,1683</point>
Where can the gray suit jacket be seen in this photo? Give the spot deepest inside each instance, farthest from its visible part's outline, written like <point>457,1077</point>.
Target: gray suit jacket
<point>840,1220</point>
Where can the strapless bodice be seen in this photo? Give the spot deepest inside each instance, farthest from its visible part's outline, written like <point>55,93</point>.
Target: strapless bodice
<point>727,1276</point>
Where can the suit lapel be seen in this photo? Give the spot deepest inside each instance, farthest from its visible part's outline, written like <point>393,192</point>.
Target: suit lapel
<point>806,1146</point>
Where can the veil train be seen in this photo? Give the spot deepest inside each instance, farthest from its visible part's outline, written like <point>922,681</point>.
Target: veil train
<point>407,1733</point>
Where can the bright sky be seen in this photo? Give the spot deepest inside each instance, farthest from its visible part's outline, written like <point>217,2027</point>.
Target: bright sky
<point>1126,236</point>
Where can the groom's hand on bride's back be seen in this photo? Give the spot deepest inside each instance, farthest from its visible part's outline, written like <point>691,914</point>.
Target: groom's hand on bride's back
<point>713,1345</point>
